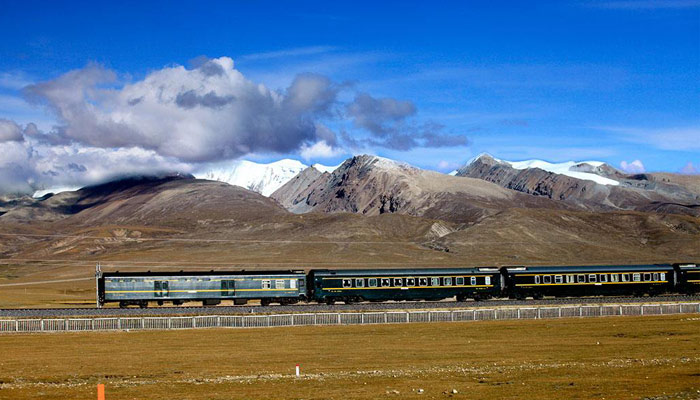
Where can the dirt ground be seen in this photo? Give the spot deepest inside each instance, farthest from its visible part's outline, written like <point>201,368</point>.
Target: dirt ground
<point>613,358</point>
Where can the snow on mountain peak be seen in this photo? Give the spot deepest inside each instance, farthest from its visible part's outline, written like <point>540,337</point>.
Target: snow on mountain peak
<point>261,178</point>
<point>569,168</point>
<point>326,168</point>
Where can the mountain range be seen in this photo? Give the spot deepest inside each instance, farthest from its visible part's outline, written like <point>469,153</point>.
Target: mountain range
<point>369,211</point>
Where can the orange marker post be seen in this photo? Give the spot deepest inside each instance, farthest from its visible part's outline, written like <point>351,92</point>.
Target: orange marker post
<point>100,391</point>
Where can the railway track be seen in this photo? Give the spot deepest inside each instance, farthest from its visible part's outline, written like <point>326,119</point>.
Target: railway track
<point>317,308</point>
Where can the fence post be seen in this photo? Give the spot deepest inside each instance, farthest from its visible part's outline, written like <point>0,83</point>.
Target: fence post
<point>362,318</point>
<point>452,316</point>
<point>559,311</point>
<point>42,325</point>
<point>518,312</point>
<point>315,319</point>
<point>338,318</point>
<point>194,322</point>
<point>407,317</point>
<point>170,322</point>
<point>641,309</point>
<point>16,325</point>
<point>580,311</point>
<point>620,309</point>
<point>600,311</point>
<point>661,309</point>
<point>386,317</point>
<point>119,323</point>
<point>538,313</point>
<point>65,324</point>
<point>268,321</point>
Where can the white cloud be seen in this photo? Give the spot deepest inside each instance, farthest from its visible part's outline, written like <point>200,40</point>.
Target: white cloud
<point>634,167</point>
<point>319,149</point>
<point>10,131</point>
<point>208,113</point>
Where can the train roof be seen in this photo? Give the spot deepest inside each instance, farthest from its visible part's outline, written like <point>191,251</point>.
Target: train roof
<point>198,273</point>
<point>403,271</point>
<point>588,268</point>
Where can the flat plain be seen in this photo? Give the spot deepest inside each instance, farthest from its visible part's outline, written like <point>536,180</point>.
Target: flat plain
<point>613,358</point>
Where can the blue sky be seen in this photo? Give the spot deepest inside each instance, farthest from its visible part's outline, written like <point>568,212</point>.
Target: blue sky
<point>607,80</point>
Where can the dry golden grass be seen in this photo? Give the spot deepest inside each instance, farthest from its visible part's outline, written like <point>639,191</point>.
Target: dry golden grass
<point>614,358</point>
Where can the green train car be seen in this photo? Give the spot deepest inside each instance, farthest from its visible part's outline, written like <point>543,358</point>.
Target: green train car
<point>579,281</point>
<point>329,286</point>
<point>140,288</point>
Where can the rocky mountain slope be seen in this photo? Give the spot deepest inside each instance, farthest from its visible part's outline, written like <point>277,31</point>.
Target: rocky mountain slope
<point>371,185</point>
<point>592,186</point>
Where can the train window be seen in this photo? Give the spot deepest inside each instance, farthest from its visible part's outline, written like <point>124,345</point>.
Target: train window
<point>656,276</point>
<point>662,276</point>
<point>373,282</point>
<point>647,277</point>
<point>603,277</point>
<point>487,280</point>
<point>386,282</point>
<point>293,283</point>
<point>359,282</point>
<point>435,281</point>
<point>410,281</point>
<point>637,277</point>
<point>569,279</point>
<point>448,281</point>
<point>558,279</point>
<point>592,278</point>
<point>614,277</point>
<point>347,283</point>
<point>473,280</point>
<point>625,277</point>
<point>266,284</point>
<point>537,279</point>
<point>279,284</point>
<point>547,279</point>
<point>398,281</point>
<point>459,281</point>
<point>581,278</point>
<point>423,281</point>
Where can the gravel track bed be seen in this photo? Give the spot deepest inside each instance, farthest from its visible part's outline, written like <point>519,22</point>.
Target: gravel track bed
<point>317,308</point>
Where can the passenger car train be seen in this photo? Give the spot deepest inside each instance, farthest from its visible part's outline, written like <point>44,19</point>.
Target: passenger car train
<point>348,286</point>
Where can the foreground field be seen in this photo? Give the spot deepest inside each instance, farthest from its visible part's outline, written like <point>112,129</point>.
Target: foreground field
<point>616,358</point>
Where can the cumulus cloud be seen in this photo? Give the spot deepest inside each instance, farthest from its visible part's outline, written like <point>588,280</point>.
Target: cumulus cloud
<point>319,149</point>
<point>207,113</point>
<point>10,131</point>
<point>634,167</point>
<point>387,121</point>
<point>178,118</point>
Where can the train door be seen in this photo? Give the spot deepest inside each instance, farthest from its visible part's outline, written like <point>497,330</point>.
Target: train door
<point>161,288</point>
<point>228,288</point>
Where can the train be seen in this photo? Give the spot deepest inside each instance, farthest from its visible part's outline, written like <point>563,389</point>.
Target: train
<point>329,286</point>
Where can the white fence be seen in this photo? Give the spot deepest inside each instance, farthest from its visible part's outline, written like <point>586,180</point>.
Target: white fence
<point>360,318</point>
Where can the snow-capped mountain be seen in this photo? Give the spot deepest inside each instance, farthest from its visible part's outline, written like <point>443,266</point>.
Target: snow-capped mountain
<point>261,178</point>
<point>579,170</point>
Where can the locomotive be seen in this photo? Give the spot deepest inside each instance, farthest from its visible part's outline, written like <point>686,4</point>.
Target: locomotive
<point>378,285</point>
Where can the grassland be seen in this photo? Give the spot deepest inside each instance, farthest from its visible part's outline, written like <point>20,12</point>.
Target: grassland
<point>613,358</point>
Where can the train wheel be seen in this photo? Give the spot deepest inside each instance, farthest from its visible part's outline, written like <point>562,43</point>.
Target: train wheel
<point>143,304</point>
<point>330,301</point>
<point>265,302</point>
<point>122,304</point>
